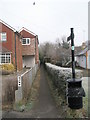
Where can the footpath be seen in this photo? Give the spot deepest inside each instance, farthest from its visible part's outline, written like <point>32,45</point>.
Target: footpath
<point>45,106</point>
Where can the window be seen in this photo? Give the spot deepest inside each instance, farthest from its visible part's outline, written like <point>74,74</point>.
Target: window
<point>8,58</point>
<point>3,37</point>
<point>5,58</point>
<point>26,41</point>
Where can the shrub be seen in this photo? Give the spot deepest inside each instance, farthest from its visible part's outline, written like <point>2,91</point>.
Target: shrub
<point>7,69</point>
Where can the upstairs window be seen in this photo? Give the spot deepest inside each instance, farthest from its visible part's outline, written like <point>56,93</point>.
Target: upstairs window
<point>26,41</point>
<point>3,37</point>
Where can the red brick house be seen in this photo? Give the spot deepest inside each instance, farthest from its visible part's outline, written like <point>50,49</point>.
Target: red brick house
<point>11,51</point>
<point>30,53</point>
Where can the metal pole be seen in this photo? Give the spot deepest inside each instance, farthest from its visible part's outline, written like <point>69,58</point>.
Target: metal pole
<point>72,47</point>
<point>75,92</point>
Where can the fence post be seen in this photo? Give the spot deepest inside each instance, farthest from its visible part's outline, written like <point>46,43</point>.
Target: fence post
<point>18,93</point>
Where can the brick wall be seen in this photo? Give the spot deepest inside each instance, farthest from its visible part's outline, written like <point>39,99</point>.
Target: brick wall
<point>18,53</point>
<point>31,49</point>
<point>13,49</point>
<point>37,52</point>
<point>7,44</point>
<point>28,49</point>
<point>10,45</point>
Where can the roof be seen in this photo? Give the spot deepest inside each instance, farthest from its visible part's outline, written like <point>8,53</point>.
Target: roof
<point>87,43</point>
<point>23,28</point>
<point>83,52</point>
<point>4,50</point>
<point>7,25</point>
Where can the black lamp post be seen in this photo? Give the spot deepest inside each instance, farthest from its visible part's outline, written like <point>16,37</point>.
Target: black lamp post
<point>71,37</point>
<point>75,92</point>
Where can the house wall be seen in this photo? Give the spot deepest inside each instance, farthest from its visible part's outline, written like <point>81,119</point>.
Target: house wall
<point>36,52</point>
<point>10,45</point>
<point>28,61</point>
<point>88,59</point>
<point>7,44</point>
<point>81,61</point>
<point>28,49</point>
<point>19,53</point>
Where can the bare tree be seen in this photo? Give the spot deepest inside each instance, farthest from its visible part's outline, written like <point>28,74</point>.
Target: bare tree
<point>65,44</point>
<point>57,52</point>
<point>46,50</point>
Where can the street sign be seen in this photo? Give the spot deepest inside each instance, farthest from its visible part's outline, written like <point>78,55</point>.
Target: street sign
<point>19,81</point>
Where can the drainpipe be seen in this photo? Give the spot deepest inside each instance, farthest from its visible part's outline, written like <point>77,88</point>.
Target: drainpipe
<point>15,53</point>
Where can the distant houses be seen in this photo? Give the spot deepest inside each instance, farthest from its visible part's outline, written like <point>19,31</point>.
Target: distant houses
<point>19,48</point>
<point>83,57</point>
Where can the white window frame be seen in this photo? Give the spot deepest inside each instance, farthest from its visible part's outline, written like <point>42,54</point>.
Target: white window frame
<point>5,54</point>
<point>3,40</point>
<point>26,41</point>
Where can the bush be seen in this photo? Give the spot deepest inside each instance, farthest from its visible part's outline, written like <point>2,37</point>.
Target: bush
<point>59,63</point>
<point>7,68</point>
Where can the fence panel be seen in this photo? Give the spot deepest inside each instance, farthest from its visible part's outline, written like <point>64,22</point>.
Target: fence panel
<point>9,85</point>
<point>26,82</point>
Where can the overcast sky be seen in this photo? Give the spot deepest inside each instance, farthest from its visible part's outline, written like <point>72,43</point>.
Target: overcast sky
<point>49,19</point>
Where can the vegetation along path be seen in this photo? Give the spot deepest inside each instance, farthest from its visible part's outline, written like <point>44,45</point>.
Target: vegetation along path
<point>44,107</point>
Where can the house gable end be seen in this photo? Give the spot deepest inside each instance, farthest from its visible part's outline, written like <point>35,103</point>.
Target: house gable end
<point>26,33</point>
<point>8,26</point>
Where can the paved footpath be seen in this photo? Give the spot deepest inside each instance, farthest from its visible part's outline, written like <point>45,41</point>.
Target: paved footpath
<point>44,108</point>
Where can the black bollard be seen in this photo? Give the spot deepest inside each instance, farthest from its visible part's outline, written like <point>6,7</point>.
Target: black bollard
<point>75,91</point>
